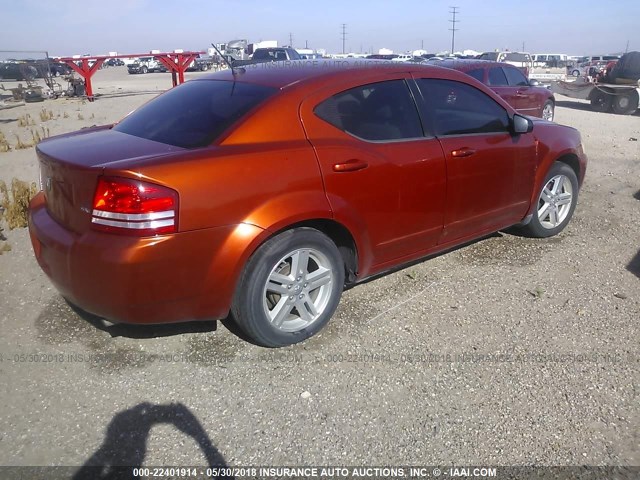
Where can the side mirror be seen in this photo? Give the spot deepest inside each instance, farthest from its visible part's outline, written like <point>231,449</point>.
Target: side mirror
<point>534,83</point>
<point>521,124</point>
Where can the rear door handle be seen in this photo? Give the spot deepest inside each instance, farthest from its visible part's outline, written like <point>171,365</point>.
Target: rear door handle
<point>463,152</point>
<point>352,165</point>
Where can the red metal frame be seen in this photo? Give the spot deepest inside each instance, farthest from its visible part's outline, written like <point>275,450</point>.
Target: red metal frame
<point>175,62</point>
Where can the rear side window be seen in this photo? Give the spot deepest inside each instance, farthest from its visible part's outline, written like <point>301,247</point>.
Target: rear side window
<point>195,113</point>
<point>458,109</point>
<point>378,112</point>
<point>497,77</point>
<point>515,77</point>
<point>478,74</point>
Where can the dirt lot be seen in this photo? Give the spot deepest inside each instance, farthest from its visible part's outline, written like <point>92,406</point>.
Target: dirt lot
<point>508,351</point>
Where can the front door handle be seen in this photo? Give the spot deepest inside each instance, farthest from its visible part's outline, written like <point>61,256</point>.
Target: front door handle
<point>352,165</point>
<point>463,152</point>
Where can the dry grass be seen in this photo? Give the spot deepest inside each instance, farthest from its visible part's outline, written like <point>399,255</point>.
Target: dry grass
<point>80,116</point>
<point>20,145</point>
<point>46,115</point>
<point>26,120</point>
<point>14,203</point>
<point>65,115</point>
<point>4,143</point>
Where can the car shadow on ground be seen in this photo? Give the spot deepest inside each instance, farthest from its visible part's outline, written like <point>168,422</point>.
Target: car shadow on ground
<point>634,265</point>
<point>125,444</point>
<point>144,330</point>
<point>637,195</point>
<point>585,107</point>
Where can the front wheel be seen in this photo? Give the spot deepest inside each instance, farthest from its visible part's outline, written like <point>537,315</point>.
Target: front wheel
<point>290,288</point>
<point>601,101</point>
<point>548,111</point>
<point>556,202</point>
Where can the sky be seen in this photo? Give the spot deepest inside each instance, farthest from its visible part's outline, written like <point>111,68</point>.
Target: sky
<point>67,27</point>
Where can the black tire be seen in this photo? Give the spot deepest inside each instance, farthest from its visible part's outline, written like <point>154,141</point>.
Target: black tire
<point>538,226</point>
<point>625,104</point>
<point>575,73</point>
<point>548,110</point>
<point>251,301</point>
<point>144,69</point>
<point>601,102</point>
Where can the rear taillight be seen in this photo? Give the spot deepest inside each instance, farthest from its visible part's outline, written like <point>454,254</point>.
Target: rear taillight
<point>134,207</point>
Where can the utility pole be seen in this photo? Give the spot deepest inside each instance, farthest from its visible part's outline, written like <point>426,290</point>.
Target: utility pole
<point>626,50</point>
<point>306,44</point>
<point>291,39</point>
<point>344,35</point>
<point>453,11</point>
<point>522,46</point>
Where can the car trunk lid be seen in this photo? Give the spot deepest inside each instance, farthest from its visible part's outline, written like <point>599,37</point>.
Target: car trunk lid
<point>71,164</point>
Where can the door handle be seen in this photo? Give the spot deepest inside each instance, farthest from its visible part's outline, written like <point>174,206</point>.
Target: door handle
<point>352,165</point>
<point>463,152</point>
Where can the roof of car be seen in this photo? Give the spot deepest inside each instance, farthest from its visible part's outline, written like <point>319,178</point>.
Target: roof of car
<point>285,73</point>
<point>465,65</point>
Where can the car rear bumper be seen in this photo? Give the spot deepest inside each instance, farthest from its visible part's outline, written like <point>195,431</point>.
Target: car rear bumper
<point>169,278</point>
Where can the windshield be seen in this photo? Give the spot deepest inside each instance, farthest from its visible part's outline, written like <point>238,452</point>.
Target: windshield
<point>195,113</point>
<point>493,56</point>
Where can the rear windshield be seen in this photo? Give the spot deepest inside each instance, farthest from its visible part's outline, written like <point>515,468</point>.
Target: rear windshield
<point>195,113</point>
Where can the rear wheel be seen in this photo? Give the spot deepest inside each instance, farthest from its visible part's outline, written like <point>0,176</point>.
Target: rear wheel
<point>575,73</point>
<point>290,288</point>
<point>626,103</point>
<point>556,202</point>
<point>601,101</point>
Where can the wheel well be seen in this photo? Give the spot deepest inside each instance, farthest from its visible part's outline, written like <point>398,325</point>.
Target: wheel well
<point>343,240</point>
<point>572,161</point>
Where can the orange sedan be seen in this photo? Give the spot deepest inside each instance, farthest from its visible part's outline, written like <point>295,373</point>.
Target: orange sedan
<point>262,192</point>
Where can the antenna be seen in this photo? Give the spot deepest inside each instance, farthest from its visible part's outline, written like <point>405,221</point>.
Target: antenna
<point>234,70</point>
<point>344,35</point>
<point>453,11</point>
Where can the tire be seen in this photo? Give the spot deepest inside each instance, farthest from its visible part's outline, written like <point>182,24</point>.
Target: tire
<point>625,104</point>
<point>548,110</point>
<point>601,102</point>
<point>556,202</point>
<point>575,73</point>
<point>144,70</point>
<point>275,308</point>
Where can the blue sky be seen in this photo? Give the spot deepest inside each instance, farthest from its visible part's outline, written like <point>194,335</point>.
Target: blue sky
<point>66,27</point>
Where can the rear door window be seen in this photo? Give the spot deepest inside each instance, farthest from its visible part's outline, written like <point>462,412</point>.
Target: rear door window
<point>195,113</point>
<point>382,111</point>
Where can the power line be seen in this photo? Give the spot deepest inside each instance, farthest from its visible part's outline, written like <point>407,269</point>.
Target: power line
<point>453,11</point>
<point>344,35</point>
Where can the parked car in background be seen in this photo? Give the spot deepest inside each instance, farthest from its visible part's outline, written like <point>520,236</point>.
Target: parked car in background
<point>525,96</point>
<point>17,71</point>
<point>114,62</point>
<point>521,60</point>
<point>264,194</point>
<point>590,69</point>
<point>145,65</point>
<point>552,60</point>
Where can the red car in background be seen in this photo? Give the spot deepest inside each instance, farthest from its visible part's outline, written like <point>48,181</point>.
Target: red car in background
<point>263,191</point>
<point>526,96</point>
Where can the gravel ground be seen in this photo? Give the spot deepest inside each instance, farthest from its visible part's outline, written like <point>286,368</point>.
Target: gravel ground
<point>508,351</point>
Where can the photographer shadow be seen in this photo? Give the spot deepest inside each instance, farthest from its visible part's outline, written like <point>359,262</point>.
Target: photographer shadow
<point>125,444</point>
